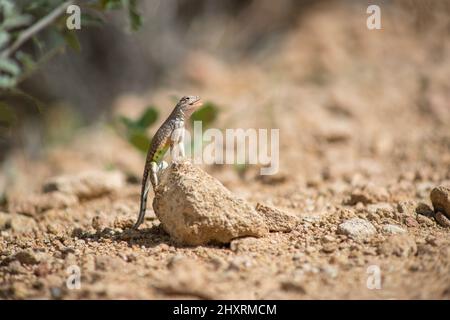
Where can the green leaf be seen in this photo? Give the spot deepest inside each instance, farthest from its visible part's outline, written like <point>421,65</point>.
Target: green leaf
<point>207,114</point>
<point>133,14</point>
<point>7,115</point>
<point>127,122</point>
<point>88,20</point>
<point>72,40</point>
<point>4,38</point>
<point>148,118</point>
<point>9,66</point>
<point>7,82</point>
<point>17,21</point>
<point>7,8</point>
<point>111,4</point>
<point>135,20</point>
<point>139,140</point>
<point>26,60</point>
<point>38,43</point>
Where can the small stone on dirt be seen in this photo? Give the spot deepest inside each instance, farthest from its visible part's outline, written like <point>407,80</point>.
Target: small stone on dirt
<point>424,220</point>
<point>26,257</point>
<point>357,228</point>
<point>407,208</point>
<point>424,209</point>
<point>442,219</point>
<point>89,184</point>
<point>17,223</point>
<point>367,195</point>
<point>393,229</point>
<point>277,220</point>
<point>440,198</point>
<point>38,203</point>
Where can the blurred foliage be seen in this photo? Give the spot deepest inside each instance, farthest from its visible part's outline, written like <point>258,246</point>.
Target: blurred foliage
<point>241,169</point>
<point>7,117</point>
<point>60,124</point>
<point>31,30</point>
<point>207,114</point>
<point>135,130</point>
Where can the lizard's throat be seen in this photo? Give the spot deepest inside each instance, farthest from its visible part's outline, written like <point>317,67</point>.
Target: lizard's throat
<point>188,112</point>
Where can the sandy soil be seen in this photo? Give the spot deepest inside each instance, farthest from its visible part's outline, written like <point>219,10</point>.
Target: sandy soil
<point>363,118</point>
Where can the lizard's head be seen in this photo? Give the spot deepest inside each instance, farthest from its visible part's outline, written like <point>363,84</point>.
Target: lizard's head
<point>189,103</point>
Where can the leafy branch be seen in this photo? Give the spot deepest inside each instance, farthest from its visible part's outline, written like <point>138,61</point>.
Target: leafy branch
<point>35,28</point>
<point>38,26</point>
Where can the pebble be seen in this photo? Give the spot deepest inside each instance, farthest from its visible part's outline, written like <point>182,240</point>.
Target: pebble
<point>26,257</point>
<point>393,229</point>
<point>424,209</point>
<point>17,223</point>
<point>408,208</point>
<point>424,220</point>
<point>401,245</point>
<point>357,228</point>
<point>88,184</point>
<point>440,198</point>
<point>411,222</point>
<point>442,219</point>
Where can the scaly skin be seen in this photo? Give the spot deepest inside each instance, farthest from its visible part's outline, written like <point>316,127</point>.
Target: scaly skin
<point>169,135</point>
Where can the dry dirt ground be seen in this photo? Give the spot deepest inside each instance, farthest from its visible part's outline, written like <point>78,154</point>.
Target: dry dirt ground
<point>364,133</point>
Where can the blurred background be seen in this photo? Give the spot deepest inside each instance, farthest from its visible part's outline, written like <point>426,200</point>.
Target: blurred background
<point>341,94</point>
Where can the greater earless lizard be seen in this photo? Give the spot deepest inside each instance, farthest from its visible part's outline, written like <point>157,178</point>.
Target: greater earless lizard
<point>169,135</point>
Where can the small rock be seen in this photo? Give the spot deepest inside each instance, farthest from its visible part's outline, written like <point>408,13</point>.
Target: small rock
<point>329,247</point>
<point>99,222</point>
<point>195,208</point>
<point>277,220</point>
<point>393,229</point>
<point>17,223</point>
<point>407,208</point>
<point>330,271</point>
<point>15,267</point>
<point>423,189</point>
<point>424,220</point>
<point>328,239</point>
<point>89,184</point>
<point>411,222</point>
<point>440,198</point>
<point>56,293</point>
<point>38,203</point>
<point>367,195</point>
<point>442,219</point>
<point>424,209</point>
<point>26,257</point>
<point>123,223</point>
<point>357,228</point>
<point>173,260</point>
<point>400,245</point>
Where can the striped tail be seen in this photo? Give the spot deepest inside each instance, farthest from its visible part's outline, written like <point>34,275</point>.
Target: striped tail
<point>144,193</point>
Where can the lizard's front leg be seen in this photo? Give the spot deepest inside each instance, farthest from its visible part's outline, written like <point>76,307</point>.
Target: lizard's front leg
<point>177,143</point>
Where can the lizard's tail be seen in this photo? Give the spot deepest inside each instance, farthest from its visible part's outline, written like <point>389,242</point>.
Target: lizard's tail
<point>144,193</point>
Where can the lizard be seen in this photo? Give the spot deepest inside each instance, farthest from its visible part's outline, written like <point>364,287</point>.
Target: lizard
<point>169,135</point>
